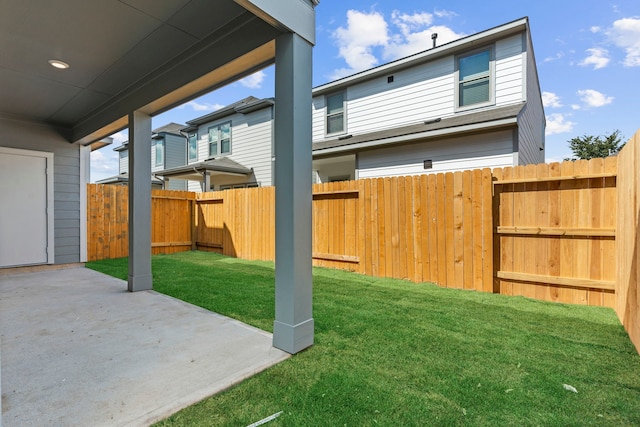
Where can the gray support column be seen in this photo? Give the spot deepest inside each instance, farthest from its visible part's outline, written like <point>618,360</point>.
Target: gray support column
<point>206,181</point>
<point>139,202</point>
<point>293,327</point>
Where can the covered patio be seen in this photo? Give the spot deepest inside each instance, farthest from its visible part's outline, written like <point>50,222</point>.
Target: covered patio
<point>73,72</point>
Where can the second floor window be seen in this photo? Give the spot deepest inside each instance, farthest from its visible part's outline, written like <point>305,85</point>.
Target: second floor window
<point>220,139</point>
<point>192,147</point>
<point>335,113</point>
<point>474,78</point>
<point>159,152</point>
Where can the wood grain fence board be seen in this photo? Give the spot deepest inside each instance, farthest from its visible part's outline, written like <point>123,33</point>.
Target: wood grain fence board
<point>567,207</point>
<point>608,215</point>
<point>449,227</point>
<point>432,200</point>
<point>542,220</point>
<point>595,258</point>
<point>401,246</point>
<point>467,232</point>
<point>361,249</point>
<point>476,199</point>
<point>488,247</point>
<point>554,222</point>
<point>581,218</point>
<point>419,235</point>
<point>506,218</point>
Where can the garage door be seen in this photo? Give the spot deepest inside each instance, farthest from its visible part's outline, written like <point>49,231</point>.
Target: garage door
<point>26,228</point>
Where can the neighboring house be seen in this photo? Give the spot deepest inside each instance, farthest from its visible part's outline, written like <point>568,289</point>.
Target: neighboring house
<point>471,103</point>
<point>229,148</point>
<point>168,150</point>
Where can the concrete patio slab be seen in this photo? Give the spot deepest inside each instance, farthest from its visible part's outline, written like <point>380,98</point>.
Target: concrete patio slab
<point>78,350</point>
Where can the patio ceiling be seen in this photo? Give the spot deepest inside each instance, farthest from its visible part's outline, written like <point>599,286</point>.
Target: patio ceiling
<point>123,55</point>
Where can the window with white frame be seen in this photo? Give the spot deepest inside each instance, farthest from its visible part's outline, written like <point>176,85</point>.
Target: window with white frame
<point>335,121</point>
<point>192,147</point>
<point>220,139</point>
<point>475,83</point>
<point>159,152</point>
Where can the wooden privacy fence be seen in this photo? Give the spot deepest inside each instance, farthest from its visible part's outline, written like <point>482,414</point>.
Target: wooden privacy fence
<point>543,231</point>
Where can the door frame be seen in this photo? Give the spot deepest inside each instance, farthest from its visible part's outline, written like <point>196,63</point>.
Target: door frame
<point>49,192</point>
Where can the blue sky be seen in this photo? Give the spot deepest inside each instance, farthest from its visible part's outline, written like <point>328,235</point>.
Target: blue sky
<point>587,53</point>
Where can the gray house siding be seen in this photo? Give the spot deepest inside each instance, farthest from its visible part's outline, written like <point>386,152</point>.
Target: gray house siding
<point>531,121</point>
<point>175,151</point>
<point>67,181</point>
<point>251,146</point>
<point>123,161</point>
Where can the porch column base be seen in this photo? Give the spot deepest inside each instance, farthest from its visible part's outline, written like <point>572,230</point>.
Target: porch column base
<point>140,283</point>
<point>293,338</point>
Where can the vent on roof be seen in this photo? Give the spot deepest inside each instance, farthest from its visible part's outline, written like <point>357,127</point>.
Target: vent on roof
<point>428,164</point>
<point>390,79</point>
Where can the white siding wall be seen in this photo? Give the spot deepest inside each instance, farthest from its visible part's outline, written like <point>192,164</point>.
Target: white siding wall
<point>469,152</point>
<point>420,93</point>
<point>66,185</point>
<point>251,144</point>
<point>509,69</point>
<point>531,121</point>
<point>123,161</point>
<point>423,92</point>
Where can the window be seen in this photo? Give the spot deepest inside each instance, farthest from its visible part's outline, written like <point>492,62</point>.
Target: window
<point>220,139</point>
<point>192,147</point>
<point>159,152</point>
<point>335,113</point>
<point>474,78</point>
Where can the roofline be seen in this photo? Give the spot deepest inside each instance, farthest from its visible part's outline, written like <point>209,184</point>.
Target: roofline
<point>413,137</point>
<point>446,49</point>
<point>228,110</point>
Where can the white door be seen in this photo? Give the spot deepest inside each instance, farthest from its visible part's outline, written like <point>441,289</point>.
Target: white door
<point>26,232</point>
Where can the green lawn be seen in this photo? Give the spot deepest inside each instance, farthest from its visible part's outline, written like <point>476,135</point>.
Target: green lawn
<point>394,353</point>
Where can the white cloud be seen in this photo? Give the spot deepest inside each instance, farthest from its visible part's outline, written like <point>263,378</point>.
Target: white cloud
<point>593,98</point>
<point>558,55</point>
<point>444,13</point>
<point>595,29</point>
<point>625,34</point>
<point>598,57</point>
<point>254,81</point>
<point>104,163</point>
<point>413,42</point>
<point>550,99</point>
<point>557,123</point>
<point>575,107</point>
<point>369,37</point>
<point>201,106</point>
<point>120,137</point>
<point>364,31</point>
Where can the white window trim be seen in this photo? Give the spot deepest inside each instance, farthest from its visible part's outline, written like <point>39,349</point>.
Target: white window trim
<point>189,160</point>
<point>160,142</point>
<point>219,153</point>
<point>344,113</point>
<point>492,79</point>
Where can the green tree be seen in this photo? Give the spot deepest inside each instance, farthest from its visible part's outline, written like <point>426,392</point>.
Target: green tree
<point>588,146</point>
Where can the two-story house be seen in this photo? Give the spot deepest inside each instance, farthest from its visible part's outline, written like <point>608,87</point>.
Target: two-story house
<point>168,150</point>
<point>471,103</point>
<point>229,148</point>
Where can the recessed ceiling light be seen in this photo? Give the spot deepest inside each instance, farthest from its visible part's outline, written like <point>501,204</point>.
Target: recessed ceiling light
<point>58,64</point>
